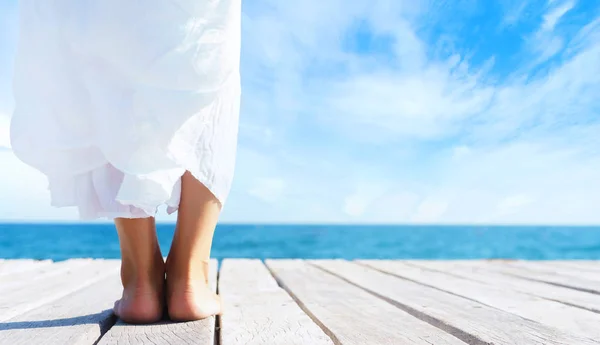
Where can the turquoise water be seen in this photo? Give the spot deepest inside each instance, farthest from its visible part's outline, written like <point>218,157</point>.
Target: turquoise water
<point>64,241</point>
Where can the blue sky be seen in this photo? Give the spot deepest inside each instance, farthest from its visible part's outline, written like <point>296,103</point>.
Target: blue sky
<point>392,111</point>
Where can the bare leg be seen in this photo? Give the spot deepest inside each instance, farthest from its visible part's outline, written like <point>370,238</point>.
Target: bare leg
<point>188,294</point>
<point>142,272</point>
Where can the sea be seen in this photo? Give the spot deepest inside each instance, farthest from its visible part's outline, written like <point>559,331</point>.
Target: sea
<point>99,240</point>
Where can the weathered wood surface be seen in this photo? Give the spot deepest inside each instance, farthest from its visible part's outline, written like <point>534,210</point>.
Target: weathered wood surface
<point>471,321</point>
<point>478,271</point>
<point>576,272</point>
<point>49,289</point>
<point>22,278</point>
<point>21,266</point>
<point>547,275</point>
<point>575,264</point>
<point>318,302</point>
<point>351,315</point>
<point>531,307</point>
<point>257,311</point>
<point>165,332</point>
<point>586,269</point>
<point>79,318</point>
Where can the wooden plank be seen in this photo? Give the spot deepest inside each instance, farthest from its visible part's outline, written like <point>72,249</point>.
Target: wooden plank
<point>19,301</point>
<point>581,268</point>
<point>567,261</point>
<point>561,316</point>
<point>12,266</point>
<point>566,270</point>
<point>165,332</point>
<point>471,321</point>
<point>591,266</point>
<point>16,280</point>
<point>79,318</point>
<point>349,314</point>
<point>477,271</point>
<point>258,311</point>
<point>545,275</point>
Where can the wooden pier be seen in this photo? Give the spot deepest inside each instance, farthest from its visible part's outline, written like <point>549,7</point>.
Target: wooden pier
<point>286,302</point>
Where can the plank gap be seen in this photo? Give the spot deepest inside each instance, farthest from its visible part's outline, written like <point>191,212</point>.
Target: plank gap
<point>277,280</point>
<point>525,307</point>
<point>573,305</point>
<point>424,284</point>
<point>106,326</point>
<point>217,337</point>
<point>594,292</point>
<point>542,274</point>
<point>431,269</point>
<point>456,332</point>
<point>313,317</point>
<point>80,317</point>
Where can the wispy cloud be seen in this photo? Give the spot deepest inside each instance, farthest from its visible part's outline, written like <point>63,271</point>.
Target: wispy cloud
<point>4,132</point>
<point>404,112</point>
<point>8,39</point>
<point>514,11</point>
<point>378,112</point>
<point>546,41</point>
<point>555,13</point>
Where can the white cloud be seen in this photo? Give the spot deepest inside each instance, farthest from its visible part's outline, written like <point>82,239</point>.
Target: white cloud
<point>423,105</point>
<point>520,183</point>
<point>8,38</point>
<point>555,14</point>
<point>4,132</point>
<point>513,203</point>
<point>415,97</point>
<point>547,42</point>
<point>430,210</point>
<point>512,136</point>
<point>330,134</point>
<point>268,189</point>
<point>356,204</point>
<point>460,151</point>
<point>513,11</point>
<point>24,193</point>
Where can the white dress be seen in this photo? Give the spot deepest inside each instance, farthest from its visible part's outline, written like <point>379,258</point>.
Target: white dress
<point>116,99</point>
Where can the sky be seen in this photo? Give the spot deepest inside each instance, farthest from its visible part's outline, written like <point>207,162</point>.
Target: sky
<point>395,111</point>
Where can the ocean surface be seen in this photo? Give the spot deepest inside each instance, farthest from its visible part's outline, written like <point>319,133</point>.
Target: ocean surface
<point>64,241</point>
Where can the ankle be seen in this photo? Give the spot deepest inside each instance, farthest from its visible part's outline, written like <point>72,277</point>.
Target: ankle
<point>181,277</point>
<point>143,275</point>
<point>187,272</point>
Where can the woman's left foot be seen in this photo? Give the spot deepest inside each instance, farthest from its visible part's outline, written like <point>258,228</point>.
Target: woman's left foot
<point>189,296</point>
<point>190,301</point>
<point>140,305</point>
<point>143,298</point>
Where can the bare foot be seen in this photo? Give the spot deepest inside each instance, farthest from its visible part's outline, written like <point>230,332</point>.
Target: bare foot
<point>190,298</point>
<point>143,296</point>
<point>192,301</point>
<point>139,307</point>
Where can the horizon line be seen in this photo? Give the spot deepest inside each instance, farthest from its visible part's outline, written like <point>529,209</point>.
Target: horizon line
<point>335,224</point>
